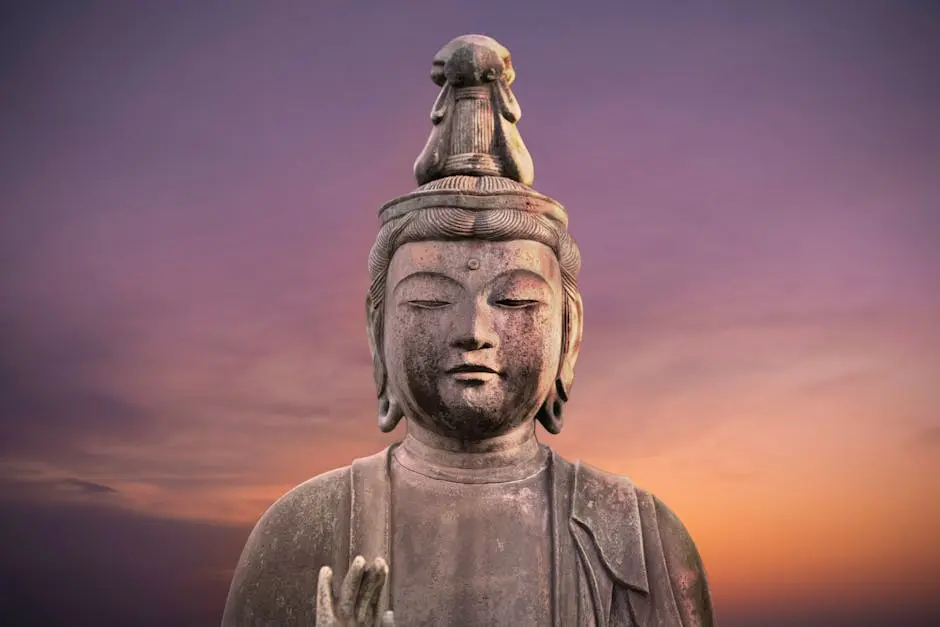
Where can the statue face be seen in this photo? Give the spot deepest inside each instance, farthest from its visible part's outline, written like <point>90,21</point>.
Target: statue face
<point>473,333</point>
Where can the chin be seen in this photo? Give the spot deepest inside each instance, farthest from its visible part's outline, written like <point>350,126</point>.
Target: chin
<point>473,422</point>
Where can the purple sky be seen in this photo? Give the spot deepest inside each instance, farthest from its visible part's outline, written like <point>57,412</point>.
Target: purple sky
<point>189,194</point>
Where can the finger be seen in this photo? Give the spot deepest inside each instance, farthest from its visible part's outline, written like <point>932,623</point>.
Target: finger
<point>388,619</point>
<point>367,606</point>
<point>325,614</point>
<point>366,591</point>
<point>350,588</point>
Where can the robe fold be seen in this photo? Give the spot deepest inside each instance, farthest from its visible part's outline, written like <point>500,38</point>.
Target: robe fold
<point>621,558</point>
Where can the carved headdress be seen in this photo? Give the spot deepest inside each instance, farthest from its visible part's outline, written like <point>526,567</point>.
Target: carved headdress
<point>475,176</point>
<point>475,158</point>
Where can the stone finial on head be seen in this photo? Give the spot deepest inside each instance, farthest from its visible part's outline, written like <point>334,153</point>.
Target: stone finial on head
<point>474,116</point>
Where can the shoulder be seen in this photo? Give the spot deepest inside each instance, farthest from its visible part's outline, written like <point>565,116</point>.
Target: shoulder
<point>279,565</point>
<point>619,495</point>
<point>675,537</point>
<point>683,565</point>
<point>633,526</point>
<point>314,502</point>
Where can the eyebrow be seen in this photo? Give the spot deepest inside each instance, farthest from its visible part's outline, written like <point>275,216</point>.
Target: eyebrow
<point>524,272</point>
<point>425,274</point>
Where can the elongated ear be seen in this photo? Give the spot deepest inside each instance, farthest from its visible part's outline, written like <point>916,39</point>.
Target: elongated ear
<point>390,412</point>
<point>552,412</point>
<point>574,327</point>
<point>374,331</point>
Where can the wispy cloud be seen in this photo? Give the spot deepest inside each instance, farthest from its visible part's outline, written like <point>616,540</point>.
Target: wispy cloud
<point>86,487</point>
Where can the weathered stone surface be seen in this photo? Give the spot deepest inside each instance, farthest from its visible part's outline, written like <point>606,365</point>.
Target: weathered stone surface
<point>475,321</point>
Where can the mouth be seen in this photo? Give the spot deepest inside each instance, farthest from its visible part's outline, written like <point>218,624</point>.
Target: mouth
<point>471,368</point>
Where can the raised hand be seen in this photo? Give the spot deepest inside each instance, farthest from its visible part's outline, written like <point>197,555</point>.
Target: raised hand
<point>358,602</point>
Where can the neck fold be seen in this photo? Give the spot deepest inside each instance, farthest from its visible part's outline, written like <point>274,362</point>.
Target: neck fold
<point>509,457</point>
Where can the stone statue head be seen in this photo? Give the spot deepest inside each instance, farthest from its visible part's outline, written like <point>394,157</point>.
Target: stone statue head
<point>473,315</point>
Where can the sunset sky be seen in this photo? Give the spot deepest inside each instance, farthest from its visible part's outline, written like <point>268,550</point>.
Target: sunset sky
<point>189,192</point>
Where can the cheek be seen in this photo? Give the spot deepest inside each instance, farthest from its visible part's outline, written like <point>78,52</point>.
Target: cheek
<point>532,340</point>
<point>414,344</point>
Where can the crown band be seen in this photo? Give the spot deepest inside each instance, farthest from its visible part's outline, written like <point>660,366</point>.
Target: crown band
<point>532,202</point>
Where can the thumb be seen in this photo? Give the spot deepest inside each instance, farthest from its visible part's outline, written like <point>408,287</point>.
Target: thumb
<point>325,597</point>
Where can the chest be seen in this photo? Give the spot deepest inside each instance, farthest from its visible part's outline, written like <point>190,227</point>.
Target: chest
<point>476,554</point>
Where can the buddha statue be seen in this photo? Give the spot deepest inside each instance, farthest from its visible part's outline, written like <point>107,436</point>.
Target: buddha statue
<point>475,321</point>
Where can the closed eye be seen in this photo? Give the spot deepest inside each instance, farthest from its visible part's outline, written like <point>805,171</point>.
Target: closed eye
<point>428,304</point>
<point>517,303</point>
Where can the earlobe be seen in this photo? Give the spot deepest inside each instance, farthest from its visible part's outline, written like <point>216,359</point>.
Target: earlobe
<point>551,413</point>
<point>390,413</point>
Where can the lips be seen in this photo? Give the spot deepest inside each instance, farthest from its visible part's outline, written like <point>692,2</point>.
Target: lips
<point>471,368</point>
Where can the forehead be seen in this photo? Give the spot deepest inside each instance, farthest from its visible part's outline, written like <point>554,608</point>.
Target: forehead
<point>454,257</point>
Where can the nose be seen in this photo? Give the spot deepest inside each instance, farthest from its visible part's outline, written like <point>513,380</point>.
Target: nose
<point>474,328</point>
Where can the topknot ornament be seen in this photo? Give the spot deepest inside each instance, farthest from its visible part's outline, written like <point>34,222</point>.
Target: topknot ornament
<point>475,158</point>
<point>475,115</point>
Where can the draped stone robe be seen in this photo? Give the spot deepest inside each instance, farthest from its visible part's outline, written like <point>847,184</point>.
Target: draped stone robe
<point>621,557</point>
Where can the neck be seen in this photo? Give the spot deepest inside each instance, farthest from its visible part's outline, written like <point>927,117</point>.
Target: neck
<point>513,448</point>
